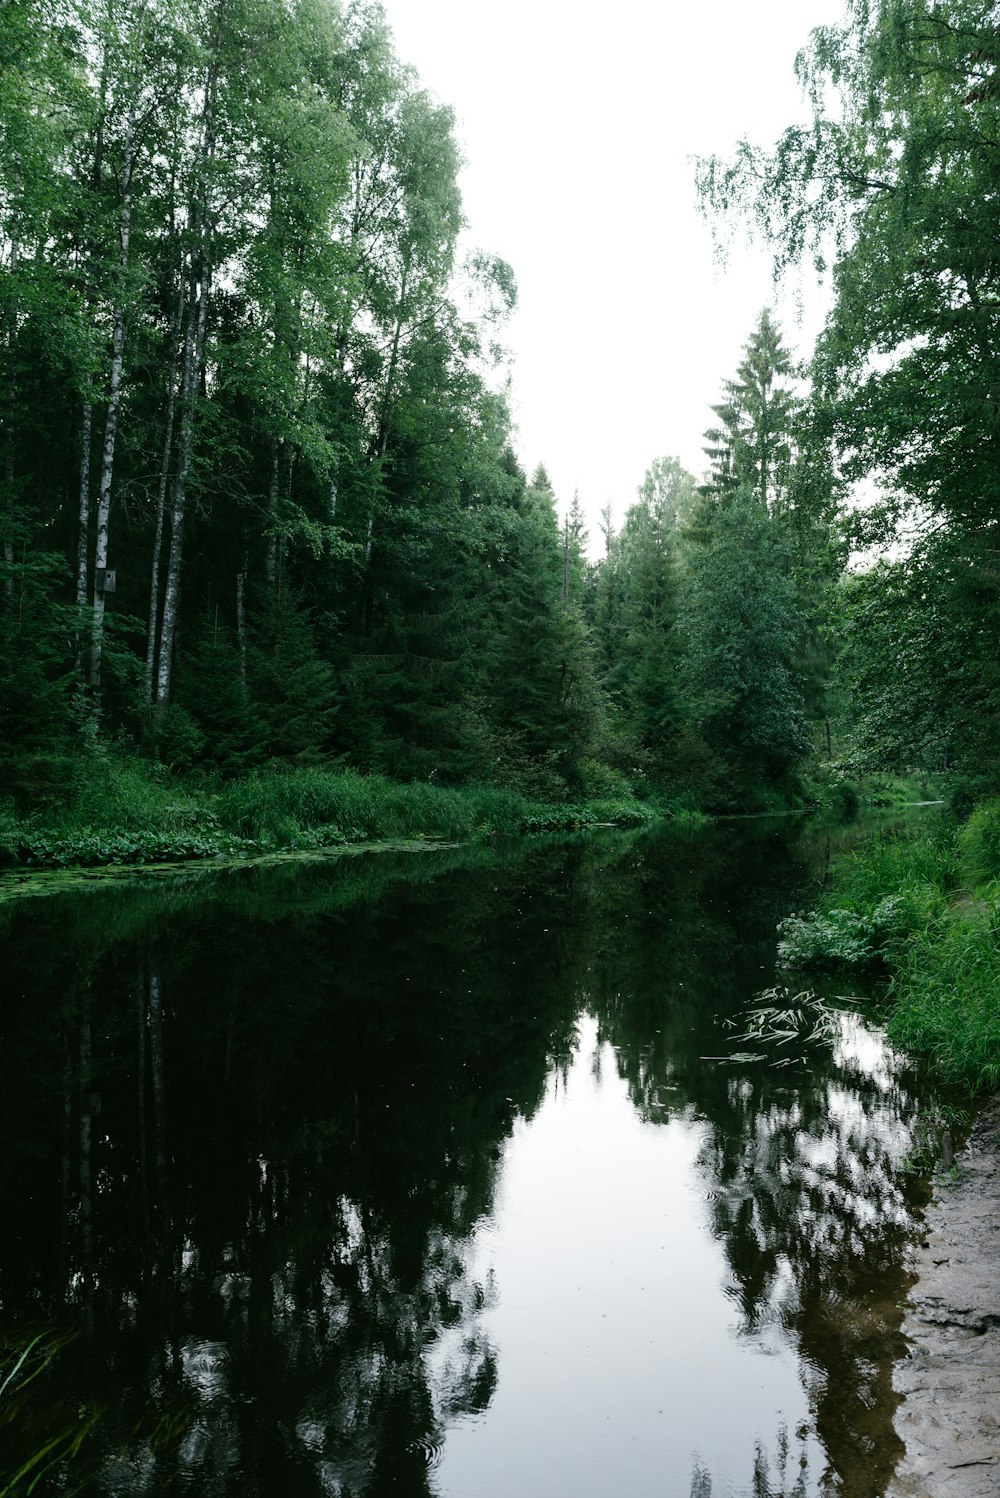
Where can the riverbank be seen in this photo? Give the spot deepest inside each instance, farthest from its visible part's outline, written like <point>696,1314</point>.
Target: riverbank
<point>125,815</point>
<point>948,1420</point>
<point>923,905</point>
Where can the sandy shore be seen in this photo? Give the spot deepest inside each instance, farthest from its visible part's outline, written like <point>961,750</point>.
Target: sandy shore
<point>949,1417</point>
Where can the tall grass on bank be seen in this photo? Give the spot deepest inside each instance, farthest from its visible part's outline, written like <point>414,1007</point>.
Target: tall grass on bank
<point>880,895</point>
<point>925,906</point>
<point>126,812</point>
<point>289,807</point>
<point>946,997</point>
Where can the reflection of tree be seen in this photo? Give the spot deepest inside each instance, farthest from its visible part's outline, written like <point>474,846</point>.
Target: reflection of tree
<point>281,1120</point>
<point>786,1475</point>
<point>808,1197</point>
<point>282,1098</point>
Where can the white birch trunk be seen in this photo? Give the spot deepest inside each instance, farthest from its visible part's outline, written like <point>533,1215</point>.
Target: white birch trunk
<point>114,400</point>
<point>161,505</point>
<point>83,536</point>
<point>194,354</point>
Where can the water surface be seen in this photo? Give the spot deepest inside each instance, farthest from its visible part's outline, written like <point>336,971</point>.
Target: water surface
<point>423,1176</point>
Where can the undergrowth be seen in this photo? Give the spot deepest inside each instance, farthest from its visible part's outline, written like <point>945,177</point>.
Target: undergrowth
<point>127,812</point>
<point>925,907</point>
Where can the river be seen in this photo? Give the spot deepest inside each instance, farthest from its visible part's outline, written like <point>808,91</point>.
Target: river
<point>449,1174</point>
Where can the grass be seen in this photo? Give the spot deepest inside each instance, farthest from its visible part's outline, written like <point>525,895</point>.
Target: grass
<point>883,893</point>
<point>843,792</point>
<point>946,997</point>
<point>925,907</point>
<point>127,812</point>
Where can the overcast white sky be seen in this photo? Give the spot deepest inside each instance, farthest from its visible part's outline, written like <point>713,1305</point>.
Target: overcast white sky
<point>578,126</point>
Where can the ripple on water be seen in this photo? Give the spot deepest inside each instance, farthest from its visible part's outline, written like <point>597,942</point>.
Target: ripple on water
<point>430,1448</point>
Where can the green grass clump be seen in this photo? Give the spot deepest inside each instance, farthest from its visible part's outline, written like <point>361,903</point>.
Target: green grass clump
<point>882,894</point>
<point>946,998</point>
<point>979,842</point>
<point>128,812</point>
<point>900,902</point>
<point>897,860</point>
<point>284,806</point>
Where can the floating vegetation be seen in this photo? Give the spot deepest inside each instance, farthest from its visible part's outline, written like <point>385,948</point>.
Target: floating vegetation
<point>784,1019</point>
<point>803,1017</point>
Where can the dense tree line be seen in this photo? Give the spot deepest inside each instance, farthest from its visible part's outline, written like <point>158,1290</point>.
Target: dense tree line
<point>258,497</point>
<point>258,494</point>
<point>891,186</point>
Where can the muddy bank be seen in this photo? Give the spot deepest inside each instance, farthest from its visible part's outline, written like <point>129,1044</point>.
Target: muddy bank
<point>949,1418</point>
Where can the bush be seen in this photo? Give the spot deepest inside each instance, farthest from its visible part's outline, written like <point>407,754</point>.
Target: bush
<point>892,906</point>
<point>604,782</point>
<point>859,938</point>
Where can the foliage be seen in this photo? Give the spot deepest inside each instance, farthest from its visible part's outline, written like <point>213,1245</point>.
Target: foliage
<point>801,1019</point>
<point>243,372</point>
<point>859,938</point>
<point>979,843</point>
<point>946,997</point>
<point>881,894</point>
<point>742,625</point>
<point>752,447</point>
<point>34,1442</point>
<point>889,185</point>
<point>895,901</point>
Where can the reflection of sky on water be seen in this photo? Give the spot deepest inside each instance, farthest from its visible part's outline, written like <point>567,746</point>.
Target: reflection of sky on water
<point>395,1219</point>
<point>620,1363</point>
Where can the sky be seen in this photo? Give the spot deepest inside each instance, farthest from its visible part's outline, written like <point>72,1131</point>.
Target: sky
<point>579,127</point>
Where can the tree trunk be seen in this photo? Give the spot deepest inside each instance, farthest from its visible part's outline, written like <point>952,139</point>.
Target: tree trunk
<point>194,353</point>
<point>83,531</point>
<point>9,464</point>
<point>271,560</point>
<point>114,400</point>
<point>241,620</point>
<point>161,503</point>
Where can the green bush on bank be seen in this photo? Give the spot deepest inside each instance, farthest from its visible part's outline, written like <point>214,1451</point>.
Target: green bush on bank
<point>860,936</point>
<point>881,895</point>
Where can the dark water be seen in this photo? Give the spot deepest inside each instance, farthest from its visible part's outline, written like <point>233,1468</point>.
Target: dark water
<point>409,1176</point>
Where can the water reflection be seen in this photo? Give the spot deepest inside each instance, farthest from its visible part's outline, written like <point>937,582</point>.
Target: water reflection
<point>260,1140</point>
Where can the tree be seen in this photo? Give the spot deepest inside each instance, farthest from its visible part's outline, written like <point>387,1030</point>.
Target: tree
<point>918,661</point>
<point>648,647</point>
<point>894,179</point>
<point>743,695</point>
<point>753,445</point>
<point>546,692</point>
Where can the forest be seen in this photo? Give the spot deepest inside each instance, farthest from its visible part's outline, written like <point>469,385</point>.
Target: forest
<point>261,509</point>
<point>274,580</point>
